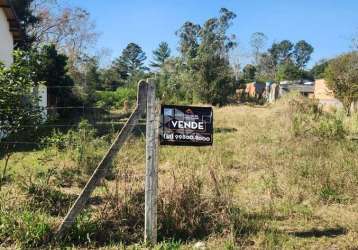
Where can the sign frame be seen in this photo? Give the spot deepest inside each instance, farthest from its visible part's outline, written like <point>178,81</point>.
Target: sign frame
<point>199,111</point>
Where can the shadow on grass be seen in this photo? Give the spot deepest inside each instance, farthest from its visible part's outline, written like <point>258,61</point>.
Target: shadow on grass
<point>317,233</point>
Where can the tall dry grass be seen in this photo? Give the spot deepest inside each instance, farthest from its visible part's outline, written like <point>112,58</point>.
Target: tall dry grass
<point>274,173</point>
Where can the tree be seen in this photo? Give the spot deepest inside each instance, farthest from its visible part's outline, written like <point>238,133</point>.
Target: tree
<point>160,55</point>
<point>89,79</point>
<point>109,78</point>
<point>342,78</point>
<point>130,62</point>
<point>285,61</point>
<point>258,41</point>
<point>249,73</point>
<point>92,72</point>
<point>302,53</point>
<point>27,19</point>
<point>288,71</point>
<point>319,68</point>
<point>189,35</point>
<point>207,60</point>
<point>70,29</point>
<point>281,52</point>
<point>19,110</point>
<point>267,67</point>
<point>50,67</point>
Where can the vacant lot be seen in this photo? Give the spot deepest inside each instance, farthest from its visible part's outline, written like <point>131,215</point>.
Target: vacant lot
<point>281,176</point>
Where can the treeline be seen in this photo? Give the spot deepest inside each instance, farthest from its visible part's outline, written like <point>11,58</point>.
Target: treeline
<point>57,39</point>
<point>200,73</point>
<point>284,60</point>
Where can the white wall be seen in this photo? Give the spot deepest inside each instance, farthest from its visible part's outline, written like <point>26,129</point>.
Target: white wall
<point>42,94</point>
<point>6,40</point>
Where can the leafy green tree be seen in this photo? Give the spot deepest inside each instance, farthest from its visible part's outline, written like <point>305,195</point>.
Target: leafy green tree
<point>281,52</point>
<point>189,39</point>
<point>160,55</point>
<point>50,67</point>
<point>249,73</point>
<point>266,68</point>
<point>130,62</point>
<point>302,53</point>
<point>19,110</point>
<point>285,61</point>
<point>174,82</point>
<point>109,79</point>
<point>342,78</point>
<point>215,81</point>
<point>87,80</point>
<point>288,71</point>
<point>92,73</point>
<point>212,73</point>
<point>319,68</point>
<point>18,106</point>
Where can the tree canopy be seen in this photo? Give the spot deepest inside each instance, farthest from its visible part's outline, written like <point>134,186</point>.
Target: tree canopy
<point>342,77</point>
<point>285,60</point>
<point>160,55</point>
<point>205,51</point>
<point>19,110</point>
<point>131,61</point>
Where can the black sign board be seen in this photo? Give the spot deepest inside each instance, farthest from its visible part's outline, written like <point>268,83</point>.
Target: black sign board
<point>186,125</point>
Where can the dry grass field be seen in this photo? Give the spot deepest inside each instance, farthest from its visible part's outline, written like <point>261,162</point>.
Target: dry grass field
<point>277,177</point>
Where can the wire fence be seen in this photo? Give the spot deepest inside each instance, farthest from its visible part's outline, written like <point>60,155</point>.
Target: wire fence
<point>99,118</point>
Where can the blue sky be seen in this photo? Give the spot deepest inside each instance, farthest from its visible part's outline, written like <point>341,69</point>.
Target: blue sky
<point>326,24</point>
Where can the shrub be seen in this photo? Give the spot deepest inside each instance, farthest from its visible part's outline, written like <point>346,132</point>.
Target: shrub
<point>329,127</point>
<point>110,99</point>
<point>342,78</point>
<point>81,145</point>
<point>309,120</point>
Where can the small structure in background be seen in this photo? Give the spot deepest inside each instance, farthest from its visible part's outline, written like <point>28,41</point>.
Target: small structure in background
<point>274,92</point>
<point>255,90</point>
<point>305,89</point>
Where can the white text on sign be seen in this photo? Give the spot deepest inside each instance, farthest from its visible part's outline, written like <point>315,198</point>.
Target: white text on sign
<point>188,124</point>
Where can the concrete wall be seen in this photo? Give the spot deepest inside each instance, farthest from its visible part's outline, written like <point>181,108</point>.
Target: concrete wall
<point>321,90</point>
<point>325,96</point>
<point>6,40</point>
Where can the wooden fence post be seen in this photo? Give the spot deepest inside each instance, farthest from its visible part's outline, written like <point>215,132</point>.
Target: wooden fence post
<point>151,176</point>
<point>106,161</point>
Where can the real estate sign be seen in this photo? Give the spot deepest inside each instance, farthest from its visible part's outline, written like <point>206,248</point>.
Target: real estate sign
<point>186,125</point>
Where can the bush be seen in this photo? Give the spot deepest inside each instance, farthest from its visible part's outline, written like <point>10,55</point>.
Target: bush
<point>329,127</point>
<point>342,78</point>
<point>110,99</point>
<point>81,144</point>
<point>309,120</point>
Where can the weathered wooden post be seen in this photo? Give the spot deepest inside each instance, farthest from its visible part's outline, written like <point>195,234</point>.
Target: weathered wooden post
<point>151,176</point>
<point>106,162</point>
